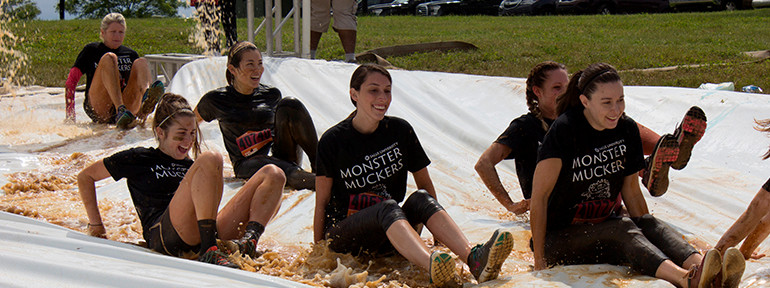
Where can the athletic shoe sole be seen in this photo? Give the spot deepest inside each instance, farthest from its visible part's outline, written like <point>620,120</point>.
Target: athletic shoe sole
<point>152,95</point>
<point>442,270</point>
<point>665,153</point>
<point>503,244</point>
<point>710,268</point>
<point>690,132</point>
<point>733,265</point>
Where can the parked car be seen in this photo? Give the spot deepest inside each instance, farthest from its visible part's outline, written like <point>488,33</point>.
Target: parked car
<point>641,6</point>
<point>361,8</point>
<point>397,7</point>
<point>458,7</point>
<point>527,7</point>
<point>585,6</point>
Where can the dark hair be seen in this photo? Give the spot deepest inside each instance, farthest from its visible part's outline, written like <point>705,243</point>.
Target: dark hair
<point>235,55</point>
<point>536,78</point>
<point>169,108</point>
<point>584,82</point>
<point>362,72</point>
<point>763,126</point>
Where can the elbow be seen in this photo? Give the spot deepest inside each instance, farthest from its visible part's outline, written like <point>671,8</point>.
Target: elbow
<point>481,166</point>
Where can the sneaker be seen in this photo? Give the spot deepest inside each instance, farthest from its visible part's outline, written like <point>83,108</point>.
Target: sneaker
<point>485,260</point>
<point>733,265</point>
<point>703,275</point>
<point>244,246</point>
<point>442,270</point>
<point>150,99</point>
<point>688,133</point>
<point>124,118</point>
<point>214,256</point>
<point>655,175</point>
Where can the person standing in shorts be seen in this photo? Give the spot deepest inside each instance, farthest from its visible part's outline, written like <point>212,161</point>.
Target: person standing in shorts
<point>344,23</point>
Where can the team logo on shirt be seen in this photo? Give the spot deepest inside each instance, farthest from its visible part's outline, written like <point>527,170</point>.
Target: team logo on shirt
<point>172,170</point>
<point>374,169</point>
<point>605,160</point>
<point>598,190</point>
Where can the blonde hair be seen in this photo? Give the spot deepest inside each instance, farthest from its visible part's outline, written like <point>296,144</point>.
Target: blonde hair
<point>112,18</point>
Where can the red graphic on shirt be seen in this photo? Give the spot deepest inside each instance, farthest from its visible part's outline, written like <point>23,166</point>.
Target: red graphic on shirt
<point>596,211</point>
<point>363,200</point>
<point>251,141</point>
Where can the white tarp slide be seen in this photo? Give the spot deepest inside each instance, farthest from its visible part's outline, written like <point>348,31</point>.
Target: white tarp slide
<point>456,117</point>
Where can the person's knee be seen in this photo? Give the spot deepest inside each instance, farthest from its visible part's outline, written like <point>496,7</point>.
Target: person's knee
<point>140,62</point>
<point>210,160</point>
<point>109,58</point>
<point>273,174</point>
<point>645,220</point>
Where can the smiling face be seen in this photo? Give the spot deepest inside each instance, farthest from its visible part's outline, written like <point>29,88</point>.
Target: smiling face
<point>555,84</point>
<point>248,73</point>
<point>606,105</point>
<point>177,140</point>
<point>373,99</point>
<point>114,34</point>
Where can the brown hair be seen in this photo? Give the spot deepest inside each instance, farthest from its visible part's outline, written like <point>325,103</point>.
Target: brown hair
<point>536,78</point>
<point>362,72</point>
<point>763,126</point>
<point>584,82</point>
<point>235,55</point>
<point>170,107</point>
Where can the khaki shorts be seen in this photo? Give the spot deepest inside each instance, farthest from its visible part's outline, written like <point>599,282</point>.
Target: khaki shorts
<point>344,15</point>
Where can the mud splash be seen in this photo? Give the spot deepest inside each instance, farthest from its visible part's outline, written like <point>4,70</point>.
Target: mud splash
<point>11,60</point>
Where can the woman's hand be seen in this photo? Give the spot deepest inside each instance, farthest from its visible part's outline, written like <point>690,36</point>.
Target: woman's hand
<point>97,231</point>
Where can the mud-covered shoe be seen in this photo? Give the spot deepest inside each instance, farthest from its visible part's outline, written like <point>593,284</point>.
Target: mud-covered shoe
<point>733,265</point>
<point>442,270</point>
<point>688,133</point>
<point>150,99</point>
<point>485,260</point>
<point>124,118</point>
<point>655,175</point>
<point>214,256</point>
<point>244,246</point>
<point>703,275</point>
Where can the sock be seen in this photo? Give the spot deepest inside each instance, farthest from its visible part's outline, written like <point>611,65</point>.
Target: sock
<point>312,54</point>
<point>254,230</point>
<point>208,231</point>
<point>349,57</point>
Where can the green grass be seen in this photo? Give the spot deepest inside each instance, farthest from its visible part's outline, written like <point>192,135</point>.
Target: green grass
<point>508,46</point>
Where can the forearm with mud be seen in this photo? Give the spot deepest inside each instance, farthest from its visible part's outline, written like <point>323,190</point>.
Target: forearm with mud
<point>754,220</point>
<point>87,189</point>
<point>491,179</point>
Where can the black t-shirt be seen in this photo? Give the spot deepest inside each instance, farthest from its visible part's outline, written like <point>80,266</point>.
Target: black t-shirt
<point>524,136</point>
<point>367,169</point>
<point>594,164</point>
<point>89,58</point>
<point>241,118</point>
<point>152,177</point>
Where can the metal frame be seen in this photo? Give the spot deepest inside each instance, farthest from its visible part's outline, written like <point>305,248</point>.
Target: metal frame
<point>274,37</point>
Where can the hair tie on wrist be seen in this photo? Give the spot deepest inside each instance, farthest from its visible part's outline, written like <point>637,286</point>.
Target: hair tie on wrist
<point>100,224</point>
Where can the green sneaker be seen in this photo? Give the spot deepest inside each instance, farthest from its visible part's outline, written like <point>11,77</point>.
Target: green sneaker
<point>214,256</point>
<point>442,270</point>
<point>150,99</point>
<point>486,260</point>
<point>124,118</point>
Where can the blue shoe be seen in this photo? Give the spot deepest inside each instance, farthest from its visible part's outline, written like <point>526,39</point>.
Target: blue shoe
<point>124,118</point>
<point>486,260</point>
<point>150,99</point>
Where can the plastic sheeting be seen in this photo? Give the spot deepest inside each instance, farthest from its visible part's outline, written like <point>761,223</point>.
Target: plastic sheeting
<point>456,117</point>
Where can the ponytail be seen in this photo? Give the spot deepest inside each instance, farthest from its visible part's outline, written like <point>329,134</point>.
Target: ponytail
<point>536,78</point>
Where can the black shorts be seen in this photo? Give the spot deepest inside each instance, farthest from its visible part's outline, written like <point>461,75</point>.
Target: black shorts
<point>95,117</point>
<point>163,238</point>
<point>248,167</point>
<point>364,231</point>
<point>642,243</point>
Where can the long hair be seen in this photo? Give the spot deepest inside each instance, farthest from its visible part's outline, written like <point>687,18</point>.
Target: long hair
<point>362,72</point>
<point>235,55</point>
<point>170,107</point>
<point>584,82</point>
<point>536,78</point>
<point>763,126</point>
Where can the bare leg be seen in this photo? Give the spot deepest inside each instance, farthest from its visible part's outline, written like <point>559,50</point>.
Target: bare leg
<point>105,92</point>
<point>348,39</point>
<point>670,272</point>
<point>446,231</point>
<point>694,259</point>
<point>197,197</point>
<point>258,200</point>
<point>649,139</point>
<point>756,237</point>
<point>137,84</point>
<point>408,243</point>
